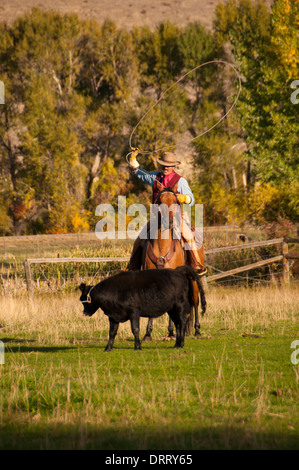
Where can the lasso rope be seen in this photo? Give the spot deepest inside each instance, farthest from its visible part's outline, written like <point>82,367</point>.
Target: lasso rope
<point>172,86</point>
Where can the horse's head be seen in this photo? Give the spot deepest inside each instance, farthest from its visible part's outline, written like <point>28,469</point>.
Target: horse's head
<point>167,201</point>
<point>167,196</point>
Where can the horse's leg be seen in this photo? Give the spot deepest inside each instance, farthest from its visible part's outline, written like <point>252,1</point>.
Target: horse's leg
<point>203,308</point>
<point>171,329</point>
<point>189,325</point>
<point>196,324</point>
<point>195,298</point>
<point>149,329</point>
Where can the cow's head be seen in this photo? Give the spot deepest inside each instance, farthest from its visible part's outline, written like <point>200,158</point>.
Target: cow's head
<point>89,306</point>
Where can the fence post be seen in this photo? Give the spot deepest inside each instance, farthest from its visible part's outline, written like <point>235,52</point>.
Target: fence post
<point>205,282</point>
<point>285,263</point>
<point>28,277</point>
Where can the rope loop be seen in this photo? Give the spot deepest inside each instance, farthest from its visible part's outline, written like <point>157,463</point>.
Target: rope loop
<point>216,61</point>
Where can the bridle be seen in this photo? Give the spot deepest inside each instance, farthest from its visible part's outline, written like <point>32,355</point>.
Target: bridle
<point>166,190</point>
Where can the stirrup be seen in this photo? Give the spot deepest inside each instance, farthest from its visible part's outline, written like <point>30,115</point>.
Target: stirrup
<point>201,270</point>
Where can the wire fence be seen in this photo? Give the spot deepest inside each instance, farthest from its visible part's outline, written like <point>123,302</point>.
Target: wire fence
<point>263,263</point>
<point>222,262</point>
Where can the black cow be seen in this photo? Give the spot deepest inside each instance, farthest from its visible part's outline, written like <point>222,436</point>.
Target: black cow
<point>130,295</point>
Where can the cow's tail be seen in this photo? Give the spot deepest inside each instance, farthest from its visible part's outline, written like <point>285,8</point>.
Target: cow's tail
<point>193,276</point>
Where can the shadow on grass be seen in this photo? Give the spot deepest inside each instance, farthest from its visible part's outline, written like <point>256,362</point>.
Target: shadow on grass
<point>16,345</point>
<point>14,340</point>
<point>111,438</point>
<point>20,348</point>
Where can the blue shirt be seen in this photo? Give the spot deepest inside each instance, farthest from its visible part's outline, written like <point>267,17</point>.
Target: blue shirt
<point>149,177</point>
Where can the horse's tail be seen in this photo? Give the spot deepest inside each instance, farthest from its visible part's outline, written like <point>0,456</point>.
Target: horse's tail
<point>193,276</point>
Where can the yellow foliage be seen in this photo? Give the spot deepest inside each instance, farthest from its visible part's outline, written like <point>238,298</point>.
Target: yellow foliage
<point>229,204</point>
<point>285,17</point>
<point>261,199</point>
<point>79,223</point>
<point>287,8</point>
<point>261,203</point>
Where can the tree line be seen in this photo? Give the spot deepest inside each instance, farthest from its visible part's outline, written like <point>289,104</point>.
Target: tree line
<point>75,90</point>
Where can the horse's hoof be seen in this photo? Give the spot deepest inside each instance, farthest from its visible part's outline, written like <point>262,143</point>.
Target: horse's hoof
<point>197,336</point>
<point>147,338</point>
<point>169,338</point>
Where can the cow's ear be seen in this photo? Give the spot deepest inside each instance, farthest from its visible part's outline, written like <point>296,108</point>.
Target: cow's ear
<point>82,286</point>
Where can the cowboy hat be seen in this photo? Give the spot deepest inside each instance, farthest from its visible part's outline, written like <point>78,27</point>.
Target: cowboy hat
<point>168,159</point>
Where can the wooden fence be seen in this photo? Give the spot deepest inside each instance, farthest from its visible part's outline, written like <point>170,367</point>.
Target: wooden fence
<point>285,256</point>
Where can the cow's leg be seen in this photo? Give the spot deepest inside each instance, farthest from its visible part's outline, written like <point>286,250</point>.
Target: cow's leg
<point>180,318</point>
<point>112,333</point>
<point>149,329</point>
<point>135,330</point>
<point>180,334</point>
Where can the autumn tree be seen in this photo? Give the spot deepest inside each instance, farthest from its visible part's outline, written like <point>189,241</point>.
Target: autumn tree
<point>158,55</point>
<point>72,82</point>
<point>108,80</point>
<point>77,93</point>
<point>265,48</point>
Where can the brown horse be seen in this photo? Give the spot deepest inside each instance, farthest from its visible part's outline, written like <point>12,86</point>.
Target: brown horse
<point>162,250</point>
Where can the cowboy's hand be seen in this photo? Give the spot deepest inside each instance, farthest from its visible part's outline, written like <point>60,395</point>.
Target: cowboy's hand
<point>184,198</point>
<point>132,160</point>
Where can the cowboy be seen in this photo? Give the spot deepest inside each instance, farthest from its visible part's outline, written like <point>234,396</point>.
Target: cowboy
<point>168,178</point>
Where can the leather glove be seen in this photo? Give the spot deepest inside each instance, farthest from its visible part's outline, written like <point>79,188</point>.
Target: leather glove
<point>183,198</point>
<point>133,161</point>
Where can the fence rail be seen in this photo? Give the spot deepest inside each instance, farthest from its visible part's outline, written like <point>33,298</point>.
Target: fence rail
<point>285,256</point>
<point>242,269</point>
<point>222,249</point>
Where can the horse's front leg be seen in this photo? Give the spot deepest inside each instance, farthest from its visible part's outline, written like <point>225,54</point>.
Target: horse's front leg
<point>171,329</point>
<point>149,329</point>
<point>196,324</point>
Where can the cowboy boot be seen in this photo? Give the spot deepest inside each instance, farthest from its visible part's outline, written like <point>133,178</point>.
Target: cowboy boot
<point>194,261</point>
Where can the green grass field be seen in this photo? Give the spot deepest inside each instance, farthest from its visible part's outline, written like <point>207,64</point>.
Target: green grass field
<point>236,388</point>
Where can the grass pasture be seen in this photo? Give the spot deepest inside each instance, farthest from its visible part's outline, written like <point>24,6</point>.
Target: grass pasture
<point>236,388</point>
